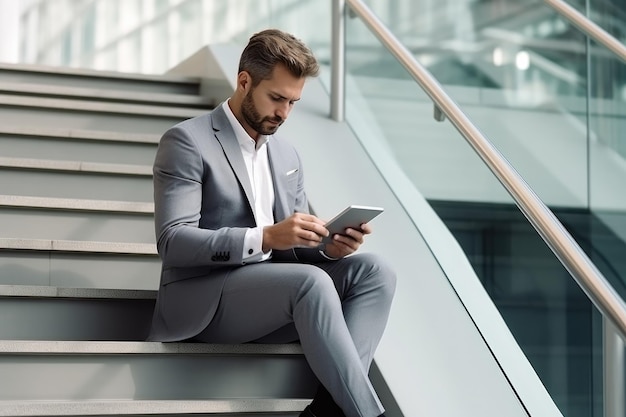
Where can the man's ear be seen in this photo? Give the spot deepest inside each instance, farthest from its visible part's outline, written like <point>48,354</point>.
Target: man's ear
<point>244,81</point>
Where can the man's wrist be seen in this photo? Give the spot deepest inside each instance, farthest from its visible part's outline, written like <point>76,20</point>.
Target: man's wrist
<point>325,255</point>
<point>265,240</point>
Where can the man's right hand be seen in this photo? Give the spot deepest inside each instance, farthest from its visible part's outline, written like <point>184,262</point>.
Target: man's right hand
<point>298,230</point>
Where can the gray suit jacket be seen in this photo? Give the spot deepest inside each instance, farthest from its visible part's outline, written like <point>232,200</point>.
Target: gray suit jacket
<point>203,206</point>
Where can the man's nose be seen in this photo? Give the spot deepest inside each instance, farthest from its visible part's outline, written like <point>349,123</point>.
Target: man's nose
<point>283,111</point>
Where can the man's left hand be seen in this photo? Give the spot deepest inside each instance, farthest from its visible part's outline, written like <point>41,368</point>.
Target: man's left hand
<point>348,243</point>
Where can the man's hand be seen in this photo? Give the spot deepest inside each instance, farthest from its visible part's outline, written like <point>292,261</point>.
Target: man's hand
<point>345,244</point>
<point>298,230</point>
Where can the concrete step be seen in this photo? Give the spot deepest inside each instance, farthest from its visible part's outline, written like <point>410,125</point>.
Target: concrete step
<point>126,207</point>
<point>78,371</point>
<point>88,146</point>
<point>43,312</point>
<point>23,217</point>
<point>18,111</point>
<point>146,249</point>
<point>85,78</point>
<point>258,407</point>
<point>79,264</point>
<point>79,134</point>
<point>75,179</point>
<point>74,166</point>
<point>105,95</point>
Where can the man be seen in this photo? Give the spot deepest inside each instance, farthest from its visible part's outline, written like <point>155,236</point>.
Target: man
<point>242,260</point>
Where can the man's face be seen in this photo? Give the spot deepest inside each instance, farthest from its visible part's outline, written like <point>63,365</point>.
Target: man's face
<point>267,105</point>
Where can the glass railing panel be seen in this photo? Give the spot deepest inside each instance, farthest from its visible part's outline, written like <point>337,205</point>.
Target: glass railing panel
<point>549,99</point>
<point>607,164</point>
<point>548,314</point>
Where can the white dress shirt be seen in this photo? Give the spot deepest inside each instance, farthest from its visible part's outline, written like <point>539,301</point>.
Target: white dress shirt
<point>258,167</point>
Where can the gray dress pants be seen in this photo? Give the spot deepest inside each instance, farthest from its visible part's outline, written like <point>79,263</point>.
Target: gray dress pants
<point>338,311</point>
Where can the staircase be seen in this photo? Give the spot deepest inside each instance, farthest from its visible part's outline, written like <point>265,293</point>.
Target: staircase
<point>78,263</point>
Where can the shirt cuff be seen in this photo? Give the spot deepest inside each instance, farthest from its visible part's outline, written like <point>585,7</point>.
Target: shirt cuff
<point>330,258</point>
<point>253,246</point>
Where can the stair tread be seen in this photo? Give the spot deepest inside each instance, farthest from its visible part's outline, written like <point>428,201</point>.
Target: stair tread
<point>134,407</point>
<point>99,106</point>
<point>58,133</point>
<point>76,204</point>
<point>78,246</point>
<point>86,72</point>
<point>69,347</point>
<point>78,166</point>
<point>119,95</point>
<point>41,291</point>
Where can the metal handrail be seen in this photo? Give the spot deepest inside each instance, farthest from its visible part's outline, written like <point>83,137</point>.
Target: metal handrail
<point>586,274</point>
<point>590,29</point>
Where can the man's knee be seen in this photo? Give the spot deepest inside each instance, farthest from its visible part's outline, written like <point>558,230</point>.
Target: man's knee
<point>315,282</point>
<point>379,272</point>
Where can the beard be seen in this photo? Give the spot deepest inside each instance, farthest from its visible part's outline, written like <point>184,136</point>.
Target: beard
<point>257,122</point>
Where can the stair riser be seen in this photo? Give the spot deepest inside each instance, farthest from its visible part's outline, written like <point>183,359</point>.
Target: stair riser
<point>59,184</point>
<point>78,270</point>
<point>98,82</point>
<point>74,319</point>
<point>154,377</point>
<point>74,225</point>
<point>15,116</point>
<point>77,150</point>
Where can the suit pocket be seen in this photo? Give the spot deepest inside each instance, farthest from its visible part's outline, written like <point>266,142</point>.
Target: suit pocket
<point>291,186</point>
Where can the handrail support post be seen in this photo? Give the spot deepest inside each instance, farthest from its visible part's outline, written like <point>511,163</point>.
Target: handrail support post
<point>614,373</point>
<point>337,61</point>
<point>438,114</point>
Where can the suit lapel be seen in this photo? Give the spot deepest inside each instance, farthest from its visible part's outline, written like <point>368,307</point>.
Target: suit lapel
<point>278,168</point>
<point>226,137</point>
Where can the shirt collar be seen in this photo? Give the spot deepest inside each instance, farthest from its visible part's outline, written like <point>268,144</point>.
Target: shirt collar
<point>244,139</point>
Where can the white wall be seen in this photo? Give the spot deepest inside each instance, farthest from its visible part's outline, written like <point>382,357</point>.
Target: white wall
<point>9,31</point>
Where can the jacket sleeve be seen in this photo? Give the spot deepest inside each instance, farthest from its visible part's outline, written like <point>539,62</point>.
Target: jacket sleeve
<point>178,187</point>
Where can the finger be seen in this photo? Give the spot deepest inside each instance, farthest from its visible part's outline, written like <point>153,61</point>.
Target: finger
<point>356,235</point>
<point>317,220</point>
<point>347,242</point>
<point>306,241</point>
<point>309,218</point>
<point>366,229</point>
<point>321,230</point>
<point>315,227</point>
<point>310,236</point>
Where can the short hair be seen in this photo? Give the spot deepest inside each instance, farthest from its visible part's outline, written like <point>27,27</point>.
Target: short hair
<point>270,47</point>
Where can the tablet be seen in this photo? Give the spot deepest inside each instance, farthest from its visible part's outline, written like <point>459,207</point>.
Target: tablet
<point>351,216</point>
